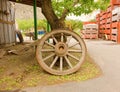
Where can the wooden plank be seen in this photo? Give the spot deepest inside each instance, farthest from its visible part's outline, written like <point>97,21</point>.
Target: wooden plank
<point>7,16</point>
<point>13,26</point>
<point>2,39</point>
<point>116,11</point>
<point>9,19</point>
<point>14,34</point>
<point>0,24</point>
<point>5,25</point>
<point>115,31</point>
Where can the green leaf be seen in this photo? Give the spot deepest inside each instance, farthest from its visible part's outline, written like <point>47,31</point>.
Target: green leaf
<point>82,7</point>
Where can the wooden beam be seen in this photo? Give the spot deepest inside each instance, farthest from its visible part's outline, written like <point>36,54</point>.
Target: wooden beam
<point>27,2</point>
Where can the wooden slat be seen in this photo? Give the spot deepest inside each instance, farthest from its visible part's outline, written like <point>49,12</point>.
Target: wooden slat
<point>5,25</point>
<point>7,22</point>
<point>13,26</point>
<point>9,19</point>
<point>2,39</point>
<point>0,23</point>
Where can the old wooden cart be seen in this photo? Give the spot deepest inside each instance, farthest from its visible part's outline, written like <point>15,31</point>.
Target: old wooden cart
<point>61,52</point>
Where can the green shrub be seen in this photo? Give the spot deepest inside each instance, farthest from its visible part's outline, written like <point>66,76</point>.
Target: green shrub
<point>42,24</point>
<point>27,24</point>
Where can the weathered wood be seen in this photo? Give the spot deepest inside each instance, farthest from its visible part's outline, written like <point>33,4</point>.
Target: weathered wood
<point>0,23</point>
<point>2,40</point>
<point>9,19</point>
<point>13,52</point>
<point>5,19</point>
<point>7,22</point>
<point>12,17</point>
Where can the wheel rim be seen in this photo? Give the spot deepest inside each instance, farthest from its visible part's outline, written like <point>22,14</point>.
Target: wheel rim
<point>61,57</point>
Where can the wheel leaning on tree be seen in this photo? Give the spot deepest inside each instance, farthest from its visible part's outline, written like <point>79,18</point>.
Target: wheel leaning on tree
<point>61,57</point>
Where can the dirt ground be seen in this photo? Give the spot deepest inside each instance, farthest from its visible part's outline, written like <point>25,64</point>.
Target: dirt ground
<point>22,70</point>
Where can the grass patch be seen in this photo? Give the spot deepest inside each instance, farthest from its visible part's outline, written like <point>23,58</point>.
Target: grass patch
<point>24,71</point>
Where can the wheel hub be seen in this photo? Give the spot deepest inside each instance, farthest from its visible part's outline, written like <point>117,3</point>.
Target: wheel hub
<point>58,58</point>
<point>61,49</point>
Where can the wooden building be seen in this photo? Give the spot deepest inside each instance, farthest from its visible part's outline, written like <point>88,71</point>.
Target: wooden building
<point>7,22</point>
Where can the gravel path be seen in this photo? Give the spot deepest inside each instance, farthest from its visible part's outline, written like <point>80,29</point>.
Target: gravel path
<point>107,55</point>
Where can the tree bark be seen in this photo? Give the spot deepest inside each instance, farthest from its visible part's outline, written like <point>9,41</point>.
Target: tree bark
<point>54,21</point>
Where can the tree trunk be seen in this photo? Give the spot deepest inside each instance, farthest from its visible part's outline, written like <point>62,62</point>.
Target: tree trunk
<point>48,12</point>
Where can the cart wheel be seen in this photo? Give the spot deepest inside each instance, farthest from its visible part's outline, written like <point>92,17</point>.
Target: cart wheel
<point>61,56</point>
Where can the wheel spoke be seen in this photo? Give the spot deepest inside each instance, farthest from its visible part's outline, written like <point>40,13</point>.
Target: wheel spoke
<point>61,63</point>
<point>61,52</point>
<point>62,39</point>
<point>74,50</point>
<point>54,61</point>
<point>54,39</point>
<point>67,60</point>
<point>48,50</point>
<point>69,40</point>
<point>49,56</point>
<point>49,44</point>
<point>74,45</point>
<point>73,56</point>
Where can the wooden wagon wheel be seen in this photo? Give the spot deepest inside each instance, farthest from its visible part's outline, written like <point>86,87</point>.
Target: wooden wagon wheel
<point>59,56</point>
